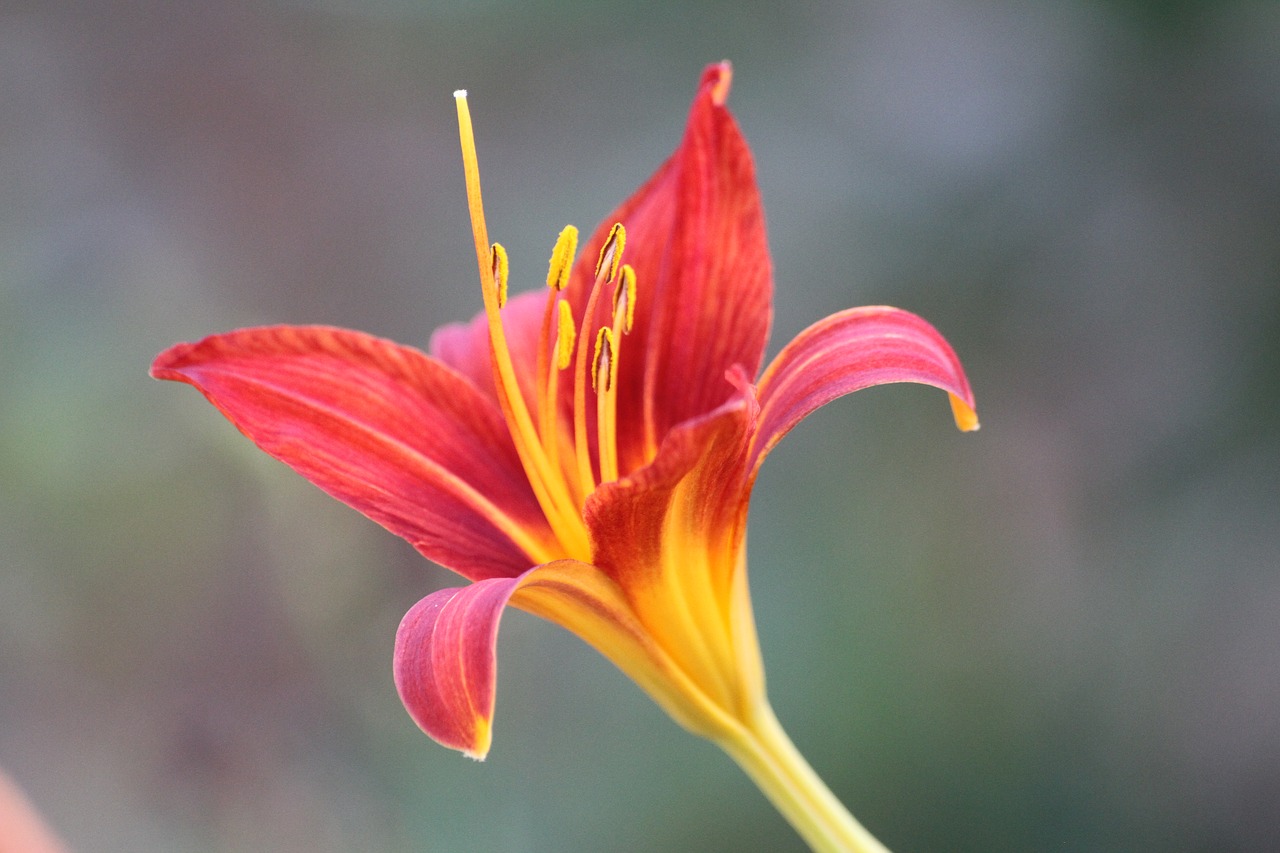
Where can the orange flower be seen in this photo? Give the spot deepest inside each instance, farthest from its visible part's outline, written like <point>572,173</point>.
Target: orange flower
<point>586,453</point>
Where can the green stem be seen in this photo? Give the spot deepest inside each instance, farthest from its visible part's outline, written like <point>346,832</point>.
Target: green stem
<point>768,756</point>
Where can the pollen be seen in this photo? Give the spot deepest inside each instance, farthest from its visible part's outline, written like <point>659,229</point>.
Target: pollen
<point>604,367</point>
<point>624,298</point>
<point>498,260</point>
<point>611,251</point>
<point>565,336</point>
<point>562,258</point>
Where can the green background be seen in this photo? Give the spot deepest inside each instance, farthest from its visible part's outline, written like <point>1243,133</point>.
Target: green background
<point>1060,633</point>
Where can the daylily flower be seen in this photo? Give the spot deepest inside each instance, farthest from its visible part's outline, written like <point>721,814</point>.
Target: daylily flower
<point>586,453</point>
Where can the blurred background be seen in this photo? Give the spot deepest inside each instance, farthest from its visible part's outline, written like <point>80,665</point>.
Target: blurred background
<point>1062,632</point>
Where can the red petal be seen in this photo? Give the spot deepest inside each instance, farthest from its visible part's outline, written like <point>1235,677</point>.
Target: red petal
<point>696,238</point>
<point>849,351</point>
<point>671,535</point>
<point>383,428</point>
<point>445,663</point>
<point>446,647</point>
<point>698,473</point>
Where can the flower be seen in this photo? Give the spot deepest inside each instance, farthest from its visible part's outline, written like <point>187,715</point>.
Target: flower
<point>585,453</point>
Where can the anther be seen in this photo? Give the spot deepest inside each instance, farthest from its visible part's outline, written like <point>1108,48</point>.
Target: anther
<point>498,259</point>
<point>565,336</point>
<point>611,251</point>
<point>562,258</point>
<point>624,297</point>
<point>602,361</point>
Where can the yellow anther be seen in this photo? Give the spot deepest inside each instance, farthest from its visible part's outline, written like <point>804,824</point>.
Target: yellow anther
<point>565,336</point>
<point>603,366</point>
<point>498,260</point>
<point>611,251</point>
<point>562,258</point>
<point>626,292</point>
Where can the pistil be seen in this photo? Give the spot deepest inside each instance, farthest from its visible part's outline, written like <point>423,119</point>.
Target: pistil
<point>549,486</point>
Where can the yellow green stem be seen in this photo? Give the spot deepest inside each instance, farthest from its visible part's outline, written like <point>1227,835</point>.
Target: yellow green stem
<point>768,756</point>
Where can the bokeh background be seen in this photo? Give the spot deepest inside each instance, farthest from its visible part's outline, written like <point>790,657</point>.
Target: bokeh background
<point>1060,633</point>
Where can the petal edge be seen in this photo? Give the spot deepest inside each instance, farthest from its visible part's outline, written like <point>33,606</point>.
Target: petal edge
<point>849,351</point>
<point>348,410</point>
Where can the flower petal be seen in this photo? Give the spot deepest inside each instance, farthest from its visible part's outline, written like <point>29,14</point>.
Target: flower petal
<point>851,350</point>
<point>383,428</point>
<point>446,649</point>
<point>696,238</point>
<point>445,662</point>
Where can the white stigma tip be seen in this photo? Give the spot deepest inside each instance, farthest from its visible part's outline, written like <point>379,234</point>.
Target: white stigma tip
<point>460,93</point>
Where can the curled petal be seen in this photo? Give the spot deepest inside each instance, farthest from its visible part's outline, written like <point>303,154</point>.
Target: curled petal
<point>446,663</point>
<point>671,535</point>
<point>697,476</point>
<point>383,428</point>
<point>849,351</point>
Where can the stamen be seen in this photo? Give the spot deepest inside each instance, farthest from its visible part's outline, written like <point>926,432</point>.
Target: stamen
<point>581,445</point>
<point>546,479</point>
<point>624,298</point>
<point>549,382</point>
<point>611,251</point>
<point>566,334</point>
<point>606,427</point>
<point>498,260</point>
<point>548,370</point>
<point>602,372</point>
<point>562,258</point>
<point>604,376</point>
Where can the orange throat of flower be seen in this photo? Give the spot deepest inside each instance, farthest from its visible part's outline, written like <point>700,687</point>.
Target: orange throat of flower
<point>556,450</point>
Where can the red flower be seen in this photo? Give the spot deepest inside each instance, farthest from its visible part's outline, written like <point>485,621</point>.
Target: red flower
<point>586,453</point>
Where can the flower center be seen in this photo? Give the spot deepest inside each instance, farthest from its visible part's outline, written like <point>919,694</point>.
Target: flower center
<point>563,457</point>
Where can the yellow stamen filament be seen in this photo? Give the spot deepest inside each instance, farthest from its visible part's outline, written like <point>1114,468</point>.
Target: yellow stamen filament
<point>560,312</point>
<point>550,488</point>
<point>607,268</point>
<point>582,448</point>
<point>607,358</point>
<point>535,426</point>
<point>562,258</point>
<point>549,381</point>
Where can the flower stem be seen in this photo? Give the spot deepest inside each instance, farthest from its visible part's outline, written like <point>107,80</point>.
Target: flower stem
<point>763,750</point>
